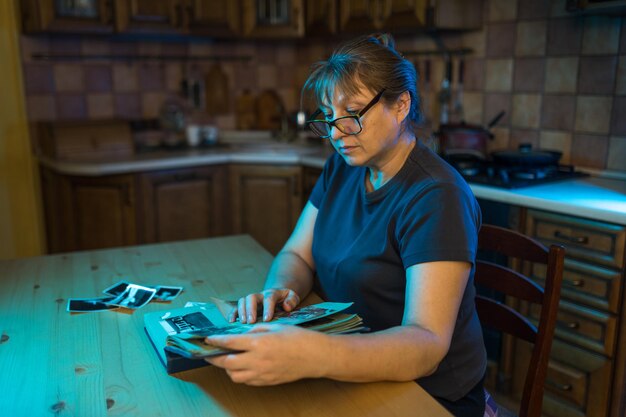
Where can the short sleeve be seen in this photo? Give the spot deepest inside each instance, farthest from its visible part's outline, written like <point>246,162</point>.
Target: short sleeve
<point>440,224</point>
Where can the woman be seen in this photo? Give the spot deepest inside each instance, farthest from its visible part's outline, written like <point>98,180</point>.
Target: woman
<point>390,227</point>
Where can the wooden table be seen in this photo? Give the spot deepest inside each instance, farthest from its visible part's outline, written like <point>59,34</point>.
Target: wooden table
<point>102,364</point>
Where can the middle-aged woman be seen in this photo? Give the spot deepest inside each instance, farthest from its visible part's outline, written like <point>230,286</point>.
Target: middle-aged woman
<point>389,226</point>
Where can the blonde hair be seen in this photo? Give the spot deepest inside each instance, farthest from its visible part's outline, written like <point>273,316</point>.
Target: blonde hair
<point>372,62</point>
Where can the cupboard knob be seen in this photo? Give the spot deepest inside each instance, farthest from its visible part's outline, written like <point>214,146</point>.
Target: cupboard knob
<point>573,239</point>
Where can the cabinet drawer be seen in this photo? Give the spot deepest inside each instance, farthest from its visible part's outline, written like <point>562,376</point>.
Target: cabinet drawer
<point>583,326</point>
<point>577,381</point>
<point>588,284</point>
<point>585,239</point>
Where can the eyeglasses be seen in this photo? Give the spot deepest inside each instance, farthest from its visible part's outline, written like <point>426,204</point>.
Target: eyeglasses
<point>348,125</point>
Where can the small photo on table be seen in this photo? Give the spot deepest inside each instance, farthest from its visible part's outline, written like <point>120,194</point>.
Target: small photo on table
<point>83,305</point>
<point>134,296</point>
<point>117,289</point>
<point>167,293</point>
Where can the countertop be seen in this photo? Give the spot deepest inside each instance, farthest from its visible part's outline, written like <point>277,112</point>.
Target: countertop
<point>592,197</point>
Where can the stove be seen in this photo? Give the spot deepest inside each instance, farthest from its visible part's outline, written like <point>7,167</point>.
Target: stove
<point>489,173</point>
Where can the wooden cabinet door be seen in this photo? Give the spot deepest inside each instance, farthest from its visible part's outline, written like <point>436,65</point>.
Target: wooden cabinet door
<point>321,17</point>
<point>266,202</point>
<point>88,16</point>
<point>89,212</point>
<point>310,176</point>
<point>273,18</point>
<point>403,15</point>
<point>161,16</point>
<point>216,18</point>
<point>359,15</point>
<point>183,204</point>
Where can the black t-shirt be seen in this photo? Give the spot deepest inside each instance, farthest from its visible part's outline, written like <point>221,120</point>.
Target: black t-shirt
<point>364,242</point>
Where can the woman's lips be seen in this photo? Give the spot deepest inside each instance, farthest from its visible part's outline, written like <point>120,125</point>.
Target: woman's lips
<point>347,149</point>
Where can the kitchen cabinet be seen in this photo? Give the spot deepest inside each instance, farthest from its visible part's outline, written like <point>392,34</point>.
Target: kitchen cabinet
<point>183,204</point>
<point>215,18</point>
<point>310,176</point>
<point>88,212</point>
<point>266,202</point>
<point>147,16</point>
<point>88,16</point>
<point>359,15</point>
<point>584,364</point>
<point>321,17</point>
<point>273,18</point>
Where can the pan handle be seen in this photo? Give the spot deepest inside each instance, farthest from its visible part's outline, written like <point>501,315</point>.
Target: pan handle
<point>496,119</point>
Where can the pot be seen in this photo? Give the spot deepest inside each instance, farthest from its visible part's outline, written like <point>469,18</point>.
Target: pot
<point>465,137</point>
<point>526,156</point>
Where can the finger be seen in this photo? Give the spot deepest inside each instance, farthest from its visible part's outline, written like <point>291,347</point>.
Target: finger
<point>241,309</point>
<point>269,305</point>
<point>230,342</point>
<point>241,376</point>
<point>291,301</point>
<point>232,316</point>
<point>251,303</point>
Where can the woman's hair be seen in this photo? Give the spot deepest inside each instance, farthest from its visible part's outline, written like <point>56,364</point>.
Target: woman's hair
<point>372,62</point>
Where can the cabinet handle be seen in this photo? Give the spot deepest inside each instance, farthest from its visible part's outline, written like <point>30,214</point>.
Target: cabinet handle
<point>575,283</point>
<point>562,387</point>
<point>574,239</point>
<point>573,325</point>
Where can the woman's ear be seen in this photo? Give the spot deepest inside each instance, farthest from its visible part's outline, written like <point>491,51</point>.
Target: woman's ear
<point>403,106</point>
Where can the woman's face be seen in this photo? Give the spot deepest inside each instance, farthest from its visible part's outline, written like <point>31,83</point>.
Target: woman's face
<point>381,132</point>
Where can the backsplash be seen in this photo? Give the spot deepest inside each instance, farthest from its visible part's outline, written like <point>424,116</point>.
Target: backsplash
<point>561,79</point>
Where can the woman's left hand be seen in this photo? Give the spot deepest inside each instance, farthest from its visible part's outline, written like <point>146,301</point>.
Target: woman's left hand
<point>270,354</point>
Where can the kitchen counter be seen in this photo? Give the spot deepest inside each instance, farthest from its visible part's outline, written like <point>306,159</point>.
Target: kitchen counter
<point>593,197</point>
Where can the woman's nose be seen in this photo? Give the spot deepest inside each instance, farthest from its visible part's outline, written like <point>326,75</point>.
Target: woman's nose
<point>335,134</point>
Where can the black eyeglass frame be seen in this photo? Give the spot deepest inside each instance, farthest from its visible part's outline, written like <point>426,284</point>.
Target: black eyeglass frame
<point>356,117</point>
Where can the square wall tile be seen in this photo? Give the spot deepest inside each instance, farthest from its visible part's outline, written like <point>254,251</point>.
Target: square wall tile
<point>499,75</point>
<point>561,75</point>
<point>100,106</point>
<point>286,55</point>
<point>558,8</point>
<point>476,40</point>
<point>266,53</point>
<point>71,107</point>
<point>494,104</point>
<point>617,153</point>
<point>558,112</point>
<point>500,140</point>
<point>247,77</point>
<point>125,78</point>
<point>618,123</point>
<point>473,108</point>
<point>175,48</point>
<point>590,151</point>
<point>285,76</point>
<point>267,76</point>
<point>533,9</point>
<point>501,10</point>
<point>151,77</point>
<point>593,114</point>
<point>123,48</point>
<point>66,46</point>
<point>41,108</point>
<point>526,110</point>
<point>524,136</point>
<point>597,74</point>
<point>529,75</point>
<point>601,35</point>
<point>173,75</point>
<point>474,77</point>
<point>38,78</point>
<point>98,78</point>
<point>531,38</point>
<point>151,104</point>
<point>30,45</point>
<point>558,141</point>
<point>69,78</point>
<point>128,105</point>
<point>565,36</point>
<point>501,40</point>
<point>620,85</point>
<point>94,46</point>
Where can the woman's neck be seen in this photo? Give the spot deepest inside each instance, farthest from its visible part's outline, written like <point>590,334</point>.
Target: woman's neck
<point>397,156</point>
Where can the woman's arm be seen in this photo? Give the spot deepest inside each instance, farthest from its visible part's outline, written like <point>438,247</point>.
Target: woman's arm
<point>276,354</point>
<point>290,277</point>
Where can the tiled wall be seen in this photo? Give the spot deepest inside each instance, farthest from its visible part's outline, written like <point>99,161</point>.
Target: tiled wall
<point>561,79</point>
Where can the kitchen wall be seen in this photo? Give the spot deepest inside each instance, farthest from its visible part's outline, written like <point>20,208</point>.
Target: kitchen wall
<point>561,79</point>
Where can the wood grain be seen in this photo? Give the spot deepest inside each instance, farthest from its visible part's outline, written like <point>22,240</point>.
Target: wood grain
<point>101,364</point>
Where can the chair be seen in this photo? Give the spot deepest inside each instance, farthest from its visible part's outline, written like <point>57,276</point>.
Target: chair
<point>513,283</point>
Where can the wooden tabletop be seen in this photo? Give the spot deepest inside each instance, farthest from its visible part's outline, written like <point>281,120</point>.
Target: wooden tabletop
<point>102,364</point>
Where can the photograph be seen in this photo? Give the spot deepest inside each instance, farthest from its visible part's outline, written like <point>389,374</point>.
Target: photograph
<point>135,296</point>
<point>82,305</point>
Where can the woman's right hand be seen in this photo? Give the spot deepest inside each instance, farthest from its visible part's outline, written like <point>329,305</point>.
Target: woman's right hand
<point>247,306</point>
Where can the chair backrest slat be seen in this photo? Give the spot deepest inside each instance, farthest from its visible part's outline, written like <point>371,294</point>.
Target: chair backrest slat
<point>515,284</point>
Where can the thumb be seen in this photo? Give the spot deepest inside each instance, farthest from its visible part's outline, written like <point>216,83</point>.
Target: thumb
<point>291,301</point>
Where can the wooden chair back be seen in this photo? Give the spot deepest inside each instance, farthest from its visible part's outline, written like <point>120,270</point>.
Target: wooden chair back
<point>515,284</point>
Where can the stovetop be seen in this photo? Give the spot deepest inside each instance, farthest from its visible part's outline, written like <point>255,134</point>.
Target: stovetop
<point>517,177</point>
